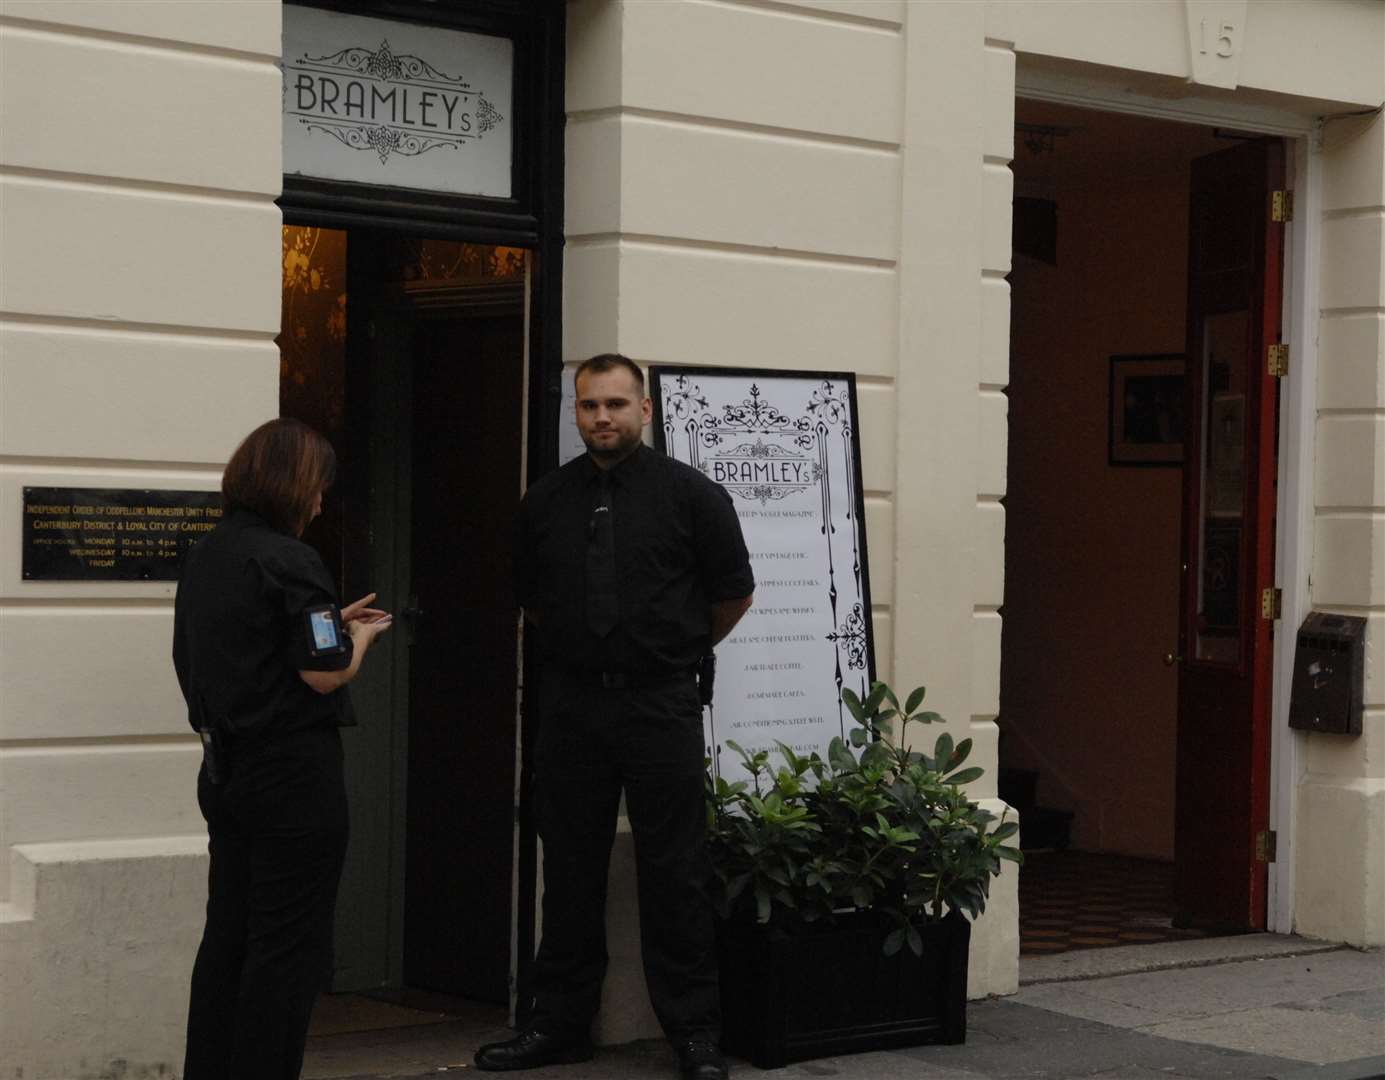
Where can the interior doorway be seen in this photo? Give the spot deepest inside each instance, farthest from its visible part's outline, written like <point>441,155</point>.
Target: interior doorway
<point>1107,734</point>
<point>410,353</point>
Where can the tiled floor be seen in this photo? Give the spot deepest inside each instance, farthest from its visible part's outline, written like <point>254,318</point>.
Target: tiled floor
<point>1077,900</point>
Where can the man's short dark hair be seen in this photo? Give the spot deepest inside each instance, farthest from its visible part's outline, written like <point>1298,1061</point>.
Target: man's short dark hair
<point>609,361</point>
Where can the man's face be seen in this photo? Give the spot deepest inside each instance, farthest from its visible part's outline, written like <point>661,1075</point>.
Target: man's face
<point>611,413</point>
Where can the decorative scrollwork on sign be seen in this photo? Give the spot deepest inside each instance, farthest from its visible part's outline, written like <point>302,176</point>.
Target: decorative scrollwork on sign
<point>487,116</point>
<point>686,399</point>
<point>755,415</point>
<point>382,63</point>
<point>852,636</point>
<point>829,405</point>
<point>383,140</point>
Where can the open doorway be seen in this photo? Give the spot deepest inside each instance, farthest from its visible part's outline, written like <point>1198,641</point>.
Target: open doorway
<point>1132,593</point>
<point>410,354</point>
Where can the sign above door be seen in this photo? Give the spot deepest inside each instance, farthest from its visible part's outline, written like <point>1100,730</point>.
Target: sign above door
<point>397,104</point>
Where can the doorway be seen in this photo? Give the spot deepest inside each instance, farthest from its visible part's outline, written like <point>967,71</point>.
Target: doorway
<point>1100,743</point>
<point>410,353</point>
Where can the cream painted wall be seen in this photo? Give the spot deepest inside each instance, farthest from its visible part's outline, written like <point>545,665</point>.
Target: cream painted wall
<point>1340,876</point>
<point>138,308</point>
<point>726,210</point>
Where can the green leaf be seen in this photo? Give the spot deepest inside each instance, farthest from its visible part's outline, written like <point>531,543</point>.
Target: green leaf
<point>915,942</point>
<point>1006,830</point>
<point>840,757</point>
<point>762,906</point>
<point>853,705</point>
<point>961,754</point>
<point>915,700</point>
<point>942,751</point>
<point>966,776</point>
<point>894,941</point>
<point>929,717</point>
<point>1010,853</point>
<point>858,737</point>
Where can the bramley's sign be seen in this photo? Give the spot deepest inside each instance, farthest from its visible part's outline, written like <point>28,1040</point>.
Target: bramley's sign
<point>378,102</point>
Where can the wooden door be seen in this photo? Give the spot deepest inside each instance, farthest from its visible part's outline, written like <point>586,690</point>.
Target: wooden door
<point>468,401</point>
<point>1230,457</point>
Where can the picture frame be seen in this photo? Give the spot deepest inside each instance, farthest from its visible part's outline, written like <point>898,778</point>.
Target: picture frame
<point>1145,421</point>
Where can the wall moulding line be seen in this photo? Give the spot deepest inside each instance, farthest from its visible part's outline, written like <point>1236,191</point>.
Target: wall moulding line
<point>712,123</point>
<point>751,251</point>
<point>193,335</point>
<point>135,189</point>
<point>116,467</point>
<point>21,607</point>
<point>139,42</point>
<point>111,744</point>
<point>787,8</point>
<point>106,183</point>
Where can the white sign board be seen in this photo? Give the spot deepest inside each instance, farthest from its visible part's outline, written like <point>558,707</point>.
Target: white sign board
<point>786,447</point>
<point>399,104</point>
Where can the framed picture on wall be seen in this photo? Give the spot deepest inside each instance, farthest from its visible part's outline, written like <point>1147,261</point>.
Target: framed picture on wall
<point>1146,421</point>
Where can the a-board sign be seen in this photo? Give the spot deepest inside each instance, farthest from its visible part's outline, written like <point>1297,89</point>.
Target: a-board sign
<point>112,534</point>
<point>785,445</point>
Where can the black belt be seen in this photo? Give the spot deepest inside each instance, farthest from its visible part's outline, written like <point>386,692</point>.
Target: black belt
<point>627,680</point>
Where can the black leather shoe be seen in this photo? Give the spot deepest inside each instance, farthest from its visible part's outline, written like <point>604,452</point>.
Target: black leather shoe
<point>532,1050</point>
<point>699,1059</point>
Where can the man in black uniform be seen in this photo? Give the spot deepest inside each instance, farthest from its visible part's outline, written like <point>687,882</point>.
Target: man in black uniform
<point>631,566</point>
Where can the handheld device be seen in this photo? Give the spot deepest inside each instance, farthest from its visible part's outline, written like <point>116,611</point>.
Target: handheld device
<point>326,636</point>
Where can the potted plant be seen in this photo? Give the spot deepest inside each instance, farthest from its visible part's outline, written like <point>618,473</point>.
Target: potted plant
<point>844,886</point>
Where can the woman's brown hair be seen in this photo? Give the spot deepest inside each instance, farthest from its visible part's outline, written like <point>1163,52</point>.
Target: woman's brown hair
<point>278,472</point>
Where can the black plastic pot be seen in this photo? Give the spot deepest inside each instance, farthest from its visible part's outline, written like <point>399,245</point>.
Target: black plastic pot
<point>830,990</point>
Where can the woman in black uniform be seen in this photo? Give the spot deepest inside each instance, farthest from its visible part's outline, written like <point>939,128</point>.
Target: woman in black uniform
<point>263,655</point>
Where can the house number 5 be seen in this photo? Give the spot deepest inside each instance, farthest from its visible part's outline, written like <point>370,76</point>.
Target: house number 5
<point>1224,39</point>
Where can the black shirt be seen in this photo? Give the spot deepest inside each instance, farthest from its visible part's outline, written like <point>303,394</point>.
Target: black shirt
<point>679,550</point>
<point>240,632</point>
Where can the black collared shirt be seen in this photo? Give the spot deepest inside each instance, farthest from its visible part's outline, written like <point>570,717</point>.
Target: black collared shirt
<point>241,636</point>
<point>679,550</point>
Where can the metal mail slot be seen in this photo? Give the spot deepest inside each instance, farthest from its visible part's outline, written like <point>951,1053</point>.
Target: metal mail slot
<point>1329,674</point>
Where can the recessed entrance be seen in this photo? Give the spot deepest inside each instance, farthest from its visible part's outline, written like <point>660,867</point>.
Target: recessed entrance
<point>410,353</point>
<point>1139,522</point>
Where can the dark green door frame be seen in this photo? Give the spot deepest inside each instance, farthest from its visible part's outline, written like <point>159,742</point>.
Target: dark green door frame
<point>532,218</point>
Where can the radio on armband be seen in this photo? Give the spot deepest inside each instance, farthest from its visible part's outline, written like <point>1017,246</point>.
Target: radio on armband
<point>326,634</point>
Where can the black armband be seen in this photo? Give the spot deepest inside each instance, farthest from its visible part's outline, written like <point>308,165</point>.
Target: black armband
<point>323,626</point>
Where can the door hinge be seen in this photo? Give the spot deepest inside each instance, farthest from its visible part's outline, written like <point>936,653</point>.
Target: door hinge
<point>1266,845</point>
<point>1271,603</point>
<point>1279,361</point>
<point>1282,206</point>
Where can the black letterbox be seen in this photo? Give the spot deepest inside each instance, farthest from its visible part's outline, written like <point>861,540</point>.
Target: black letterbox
<point>1329,674</point>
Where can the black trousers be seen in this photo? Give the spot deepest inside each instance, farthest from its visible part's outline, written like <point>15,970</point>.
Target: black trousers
<point>592,743</point>
<point>278,829</point>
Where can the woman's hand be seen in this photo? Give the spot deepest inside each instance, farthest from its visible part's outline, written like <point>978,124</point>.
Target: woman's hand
<point>364,630</point>
<point>359,610</point>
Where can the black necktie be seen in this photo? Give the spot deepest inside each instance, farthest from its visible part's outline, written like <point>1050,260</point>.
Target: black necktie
<point>603,602</point>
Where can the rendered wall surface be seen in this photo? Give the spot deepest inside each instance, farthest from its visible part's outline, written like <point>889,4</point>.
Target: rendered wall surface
<point>138,307</point>
<point>728,209</point>
<point>1340,876</point>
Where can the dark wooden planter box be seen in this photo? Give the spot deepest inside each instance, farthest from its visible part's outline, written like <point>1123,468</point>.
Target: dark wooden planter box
<point>830,990</point>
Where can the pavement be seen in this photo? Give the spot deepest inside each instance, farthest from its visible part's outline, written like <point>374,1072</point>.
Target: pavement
<point>1260,1007</point>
